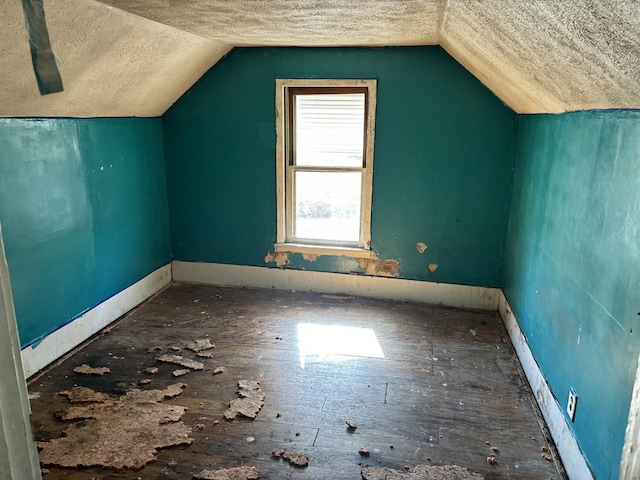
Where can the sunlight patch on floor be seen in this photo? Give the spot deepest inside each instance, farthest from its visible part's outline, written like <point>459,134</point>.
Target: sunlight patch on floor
<point>336,342</point>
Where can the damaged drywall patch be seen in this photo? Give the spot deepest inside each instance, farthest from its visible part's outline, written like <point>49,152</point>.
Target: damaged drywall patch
<point>250,402</point>
<point>380,268</point>
<point>281,259</point>
<point>117,432</point>
<point>236,473</point>
<point>420,472</point>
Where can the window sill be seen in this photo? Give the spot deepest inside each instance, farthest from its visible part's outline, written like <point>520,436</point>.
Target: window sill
<point>324,250</point>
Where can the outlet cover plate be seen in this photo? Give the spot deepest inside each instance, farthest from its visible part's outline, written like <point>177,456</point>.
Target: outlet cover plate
<point>572,404</point>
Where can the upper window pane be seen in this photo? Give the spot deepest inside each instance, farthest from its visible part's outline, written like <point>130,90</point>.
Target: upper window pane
<point>329,129</point>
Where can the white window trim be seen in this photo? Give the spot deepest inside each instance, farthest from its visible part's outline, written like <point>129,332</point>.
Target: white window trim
<point>367,185</point>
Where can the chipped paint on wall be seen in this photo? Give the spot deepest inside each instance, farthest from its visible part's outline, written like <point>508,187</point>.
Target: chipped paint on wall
<point>281,259</point>
<point>432,267</point>
<point>380,268</point>
<point>409,205</point>
<point>368,266</point>
<point>421,247</point>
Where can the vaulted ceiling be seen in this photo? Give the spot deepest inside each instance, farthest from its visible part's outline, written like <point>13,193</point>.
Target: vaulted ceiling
<point>137,57</point>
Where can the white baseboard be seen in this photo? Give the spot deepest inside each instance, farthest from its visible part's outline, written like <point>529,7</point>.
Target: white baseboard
<point>462,296</point>
<point>36,357</point>
<point>572,457</point>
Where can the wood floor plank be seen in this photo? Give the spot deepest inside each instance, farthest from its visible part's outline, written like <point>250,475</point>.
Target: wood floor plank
<point>446,382</point>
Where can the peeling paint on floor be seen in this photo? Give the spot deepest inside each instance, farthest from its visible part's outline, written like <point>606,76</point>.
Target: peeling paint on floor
<point>117,432</point>
<point>205,354</point>
<point>236,473</point>
<point>185,362</point>
<point>84,394</point>
<point>199,345</point>
<point>85,369</point>
<point>420,472</point>
<point>294,457</point>
<point>250,402</point>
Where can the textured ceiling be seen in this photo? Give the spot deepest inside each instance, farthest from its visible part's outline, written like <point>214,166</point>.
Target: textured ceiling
<point>298,22</point>
<point>549,55</point>
<point>136,57</point>
<point>112,63</point>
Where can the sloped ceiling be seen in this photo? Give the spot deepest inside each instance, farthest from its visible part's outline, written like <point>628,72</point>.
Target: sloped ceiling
<point>549,55</point>
<point>136,57</point>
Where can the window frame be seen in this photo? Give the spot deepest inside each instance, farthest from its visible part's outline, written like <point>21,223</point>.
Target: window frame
<point>285,89</point>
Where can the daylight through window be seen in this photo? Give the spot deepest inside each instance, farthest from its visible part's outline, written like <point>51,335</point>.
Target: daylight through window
<point>325,146</point>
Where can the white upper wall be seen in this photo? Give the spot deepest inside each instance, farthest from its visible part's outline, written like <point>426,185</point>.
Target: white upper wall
<point>137,57</point>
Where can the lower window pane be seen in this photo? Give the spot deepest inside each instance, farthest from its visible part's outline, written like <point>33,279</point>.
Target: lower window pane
<point>327,206</point>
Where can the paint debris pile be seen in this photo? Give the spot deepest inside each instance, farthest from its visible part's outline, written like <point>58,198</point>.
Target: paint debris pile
<point>85,369</point>
<point>184,362</point>
<point>109,429</point>
<point>420,472</point>
<point>236,473</point>
<point>199,345</point>
<point>294,457</point>
<point>250,401</point>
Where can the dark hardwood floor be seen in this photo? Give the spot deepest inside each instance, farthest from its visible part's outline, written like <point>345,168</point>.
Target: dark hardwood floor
<point>424,384</point>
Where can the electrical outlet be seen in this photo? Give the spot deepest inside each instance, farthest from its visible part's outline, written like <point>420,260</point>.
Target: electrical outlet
<point>572,404</point>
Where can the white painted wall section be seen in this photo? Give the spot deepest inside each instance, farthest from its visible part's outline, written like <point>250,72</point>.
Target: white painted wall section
<point>461,296</point>
<point>60,342</point>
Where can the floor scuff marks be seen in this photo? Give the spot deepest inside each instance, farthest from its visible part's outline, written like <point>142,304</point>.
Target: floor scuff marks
<point>117,432</point>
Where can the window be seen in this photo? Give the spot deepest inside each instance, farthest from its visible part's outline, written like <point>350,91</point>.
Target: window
<point>325,165</point>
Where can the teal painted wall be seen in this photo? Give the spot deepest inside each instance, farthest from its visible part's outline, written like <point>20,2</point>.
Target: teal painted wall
<point>573,266</point>
<point>83,208</point>
<point>444,152</point>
